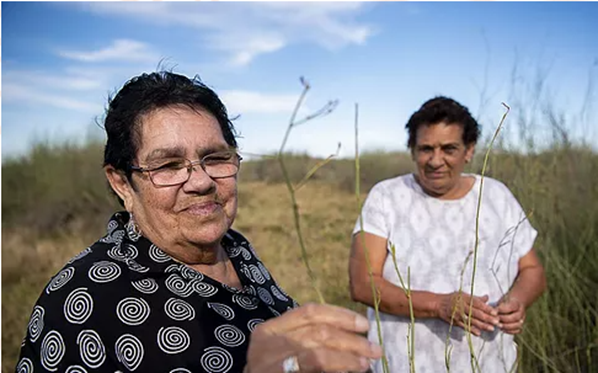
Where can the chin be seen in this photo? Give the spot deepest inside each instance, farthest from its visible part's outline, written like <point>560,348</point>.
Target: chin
<point>207,233</point>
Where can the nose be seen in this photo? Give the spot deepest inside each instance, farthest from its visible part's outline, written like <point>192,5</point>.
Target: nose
<point>199,181</point>
<point>436,159</point>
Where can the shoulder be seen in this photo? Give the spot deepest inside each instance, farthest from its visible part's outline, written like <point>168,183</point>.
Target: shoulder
<point>93,275</point>
<point>394,185</point>
<point>495,188</point>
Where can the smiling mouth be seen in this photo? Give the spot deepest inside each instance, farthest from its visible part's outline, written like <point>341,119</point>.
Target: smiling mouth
<point>435,174</point>
<point>203,209</point>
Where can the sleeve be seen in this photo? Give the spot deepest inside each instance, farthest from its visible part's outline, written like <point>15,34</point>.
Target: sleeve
<point>58,338</point>
<point>518,222</point>
<point>373,215</point>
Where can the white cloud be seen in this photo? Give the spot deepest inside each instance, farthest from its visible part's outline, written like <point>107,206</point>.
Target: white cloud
<point>244,31</point>
<point>77,82</point>
<point>246,102</point>
<point>20,93</point>
<point>119,50</point>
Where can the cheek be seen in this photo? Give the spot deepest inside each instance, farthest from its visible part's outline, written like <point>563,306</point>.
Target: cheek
<point>157,199</point>
<point>228,194</point>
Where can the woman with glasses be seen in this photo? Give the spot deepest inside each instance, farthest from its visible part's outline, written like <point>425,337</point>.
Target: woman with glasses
<point>422,227</point>
<point>171,287</point>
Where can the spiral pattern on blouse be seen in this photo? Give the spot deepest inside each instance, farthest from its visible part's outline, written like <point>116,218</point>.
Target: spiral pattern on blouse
<point>190,273</point>
<point>179,310</point>
<point>91,348</point>
<point>145,285</point>
<point>52,350</point>
<point>60,279</point>
<point>278,294</point>
<point>178,286</point>
<point>80,255</point>
<point>180,370</point>
<point>246,302</point>
<point>264,271</point>
<point>234,251</point>
<point>274,311</point>
<point>173,268</point>
<point>157,255</point>
<point>78,306</point>
<point>129,351</point>
<point>216,360</point>
<point>222,309</point>
<point>24,366</point>
<point>204,289</point>
<point>245,270</point>
<point>251,324</point>
<point>265,296</point>
<point>134,266</point>
<point>36,323</point>
<point>245,253</point>
<point>173,340</point>
<point>104,271</point>
<point>257,274</point>
<point>229,335</point>
<point>250,289</point>
<point>132,311</point>
<point>75,369</point>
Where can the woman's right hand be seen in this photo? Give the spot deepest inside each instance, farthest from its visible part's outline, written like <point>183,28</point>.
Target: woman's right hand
<point>456,307</point>
<point>323,338</point>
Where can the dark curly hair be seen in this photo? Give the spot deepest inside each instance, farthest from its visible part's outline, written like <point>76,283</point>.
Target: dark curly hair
<point>443,110</point>
<point>148,92</point>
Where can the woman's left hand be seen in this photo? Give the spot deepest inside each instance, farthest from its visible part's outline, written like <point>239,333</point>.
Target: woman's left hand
<point>511,313</point>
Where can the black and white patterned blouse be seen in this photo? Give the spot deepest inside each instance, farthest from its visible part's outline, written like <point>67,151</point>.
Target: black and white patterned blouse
<point>125,305</point>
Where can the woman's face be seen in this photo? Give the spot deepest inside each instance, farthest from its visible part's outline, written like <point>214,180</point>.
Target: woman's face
<point>197,212</point>
<point>440,156</point>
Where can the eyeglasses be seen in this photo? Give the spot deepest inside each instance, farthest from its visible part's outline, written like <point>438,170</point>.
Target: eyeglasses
<point>174,171</point>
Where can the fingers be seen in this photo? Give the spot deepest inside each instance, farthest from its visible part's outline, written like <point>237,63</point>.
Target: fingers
<point>483,316</point>
<point>330,360</point>
<point>484,320</point>
<point>512,317</point>
<point>508,307</point>
<point>317,336</point>
<point>481,304</point>
<point>312,314</point>
<point>475,330</point>
<point>513,328</point>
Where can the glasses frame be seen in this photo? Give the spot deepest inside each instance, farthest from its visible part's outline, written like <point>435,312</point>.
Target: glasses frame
<point>189,165</point>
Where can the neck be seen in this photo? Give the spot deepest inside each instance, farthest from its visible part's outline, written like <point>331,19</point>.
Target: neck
<point>459,190</point>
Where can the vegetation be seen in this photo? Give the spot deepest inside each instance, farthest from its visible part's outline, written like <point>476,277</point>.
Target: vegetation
<point>55,202</point>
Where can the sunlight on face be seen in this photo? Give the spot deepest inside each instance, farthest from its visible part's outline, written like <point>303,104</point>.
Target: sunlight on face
<point>197,212</point>
<point>440,156</point>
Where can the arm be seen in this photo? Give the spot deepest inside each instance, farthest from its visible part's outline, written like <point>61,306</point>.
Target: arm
<point>529,285</point>
<point>393,299</point>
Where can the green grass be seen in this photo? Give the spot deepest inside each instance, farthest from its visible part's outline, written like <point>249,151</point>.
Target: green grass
<point>55,201</point>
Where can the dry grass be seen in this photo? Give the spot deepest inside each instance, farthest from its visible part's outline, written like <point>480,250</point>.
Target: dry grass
<point>559,185</point>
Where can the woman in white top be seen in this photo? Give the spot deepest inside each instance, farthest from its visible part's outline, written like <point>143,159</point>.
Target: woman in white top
<point>429,217</point>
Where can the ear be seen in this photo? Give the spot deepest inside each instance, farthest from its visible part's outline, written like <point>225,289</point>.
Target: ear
<point>469,151</point>
<point>121,186</point>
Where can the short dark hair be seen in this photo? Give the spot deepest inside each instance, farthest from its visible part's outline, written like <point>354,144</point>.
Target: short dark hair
<point>443,110</point>
<point>148,92</point>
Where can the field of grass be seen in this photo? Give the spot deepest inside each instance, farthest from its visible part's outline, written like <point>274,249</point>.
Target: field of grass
<point>55,203</point>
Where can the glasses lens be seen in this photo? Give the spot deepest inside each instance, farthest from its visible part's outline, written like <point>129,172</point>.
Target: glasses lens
<point>225,164</point>
<point>170,175</point>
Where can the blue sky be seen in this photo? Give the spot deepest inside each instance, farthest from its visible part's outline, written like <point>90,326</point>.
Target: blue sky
<point>60,61</point>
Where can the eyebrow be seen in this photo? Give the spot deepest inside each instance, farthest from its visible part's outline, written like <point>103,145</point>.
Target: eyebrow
<point>456,144</point>
<point>179,152</point>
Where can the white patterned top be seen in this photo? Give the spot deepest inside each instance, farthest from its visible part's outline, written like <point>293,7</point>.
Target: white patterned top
<point>433,238</point>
